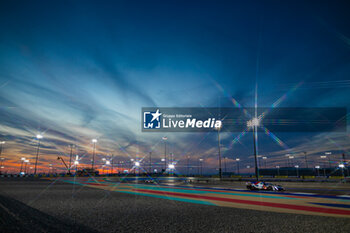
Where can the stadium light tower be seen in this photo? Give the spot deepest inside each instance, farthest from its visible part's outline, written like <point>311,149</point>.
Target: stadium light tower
<point>318,170</point>
<point>237,160</point>
<point>165,139</point>
<point>219,150</point>
<point>201,166</point>
<point>291,157</point>
<point>328,154</point>
<point>324,163</point>
<point>188,165</point>
<point>254,123</point>
<point>39,137</point>
<point>297,168</point>
<point>265,158</point>
<point>76,163</point>
<point>137,166</point>
<point>70,157</point>
<point>93,153</point>
<point>1,164</point>
<point>305,157</point>
<point>25,165</point>
<point>22,161</point>
<point>1,158</point>
<point>1,145</point>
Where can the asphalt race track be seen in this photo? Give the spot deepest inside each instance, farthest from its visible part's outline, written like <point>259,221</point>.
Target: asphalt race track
<point>103,205</point>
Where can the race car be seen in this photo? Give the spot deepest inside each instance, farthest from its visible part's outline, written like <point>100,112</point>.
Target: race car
<point>149,181</point>
<point>264,186</point>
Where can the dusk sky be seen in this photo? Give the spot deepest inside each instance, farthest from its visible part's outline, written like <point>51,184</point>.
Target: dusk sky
<point>78,70</point>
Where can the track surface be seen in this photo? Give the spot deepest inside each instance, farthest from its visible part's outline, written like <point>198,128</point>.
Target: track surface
<point>55,206</point>
<point>284,202</point>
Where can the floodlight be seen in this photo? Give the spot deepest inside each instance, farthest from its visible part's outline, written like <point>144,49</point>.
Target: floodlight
<point>253,122</point>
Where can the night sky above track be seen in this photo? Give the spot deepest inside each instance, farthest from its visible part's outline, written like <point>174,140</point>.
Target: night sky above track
<point>77,70</point>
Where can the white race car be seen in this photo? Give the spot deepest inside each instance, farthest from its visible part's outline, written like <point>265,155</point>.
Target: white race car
<point>264,186</point>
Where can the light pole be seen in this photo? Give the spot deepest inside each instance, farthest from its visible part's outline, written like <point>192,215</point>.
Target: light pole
<point>1,145</point>
<point>165,139</point>
<point>76,163</point>
<point>342,169</point>
<point>237,165</point>
<point>112,168</point>
<point>70,157</point>
<point>108,163</point>
<point>1,164</point>
<point>200,163</point>
<point>297,167</point>
<point>188,165</point>
<point>254,123</point>
<point>103,165</point>
<point>305,156</point>
<point>219,146</point>
<point>50,168</point>
<point>132,162</point>
<point>25,165</point>
<point>328,154</point>
<point>324,164</point>
<point>291,159</point>
<point>278,170</point>
<point>121,166</point>
<point>344,163</point>
<point>171,168</point>
<point>318,170</point>
<point>1,158</point>
<point>163,161</point>
<point>137,165</point>
<point>225,164</point>
<point>22,161</point>
<point>171,158</point>
<point>264,158</point>
<point>150,162</point>
<point>93,154</point>
<point>39,137</point>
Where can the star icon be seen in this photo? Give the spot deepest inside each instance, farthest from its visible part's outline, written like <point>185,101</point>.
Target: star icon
<point>156,115</point>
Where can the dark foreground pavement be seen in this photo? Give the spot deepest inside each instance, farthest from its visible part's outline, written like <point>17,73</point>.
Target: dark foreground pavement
<point>32,205</point>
